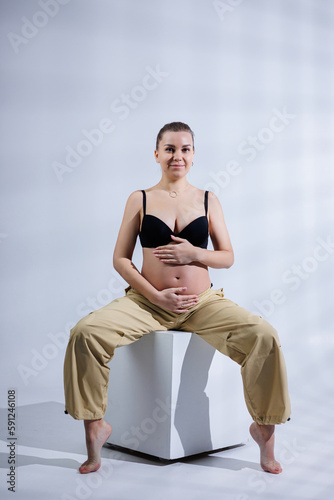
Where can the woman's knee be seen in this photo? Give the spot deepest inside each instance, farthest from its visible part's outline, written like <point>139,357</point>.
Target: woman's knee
<point>81,330</point>
<point>267,334</point>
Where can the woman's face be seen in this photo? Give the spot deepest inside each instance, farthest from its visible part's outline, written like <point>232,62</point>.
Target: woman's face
<point>175,153</point>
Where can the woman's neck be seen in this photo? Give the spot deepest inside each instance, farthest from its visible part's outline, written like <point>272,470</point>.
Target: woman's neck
<point>175,186</point>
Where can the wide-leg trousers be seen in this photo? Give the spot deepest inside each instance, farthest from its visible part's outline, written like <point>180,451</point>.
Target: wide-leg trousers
<point>245,337</point>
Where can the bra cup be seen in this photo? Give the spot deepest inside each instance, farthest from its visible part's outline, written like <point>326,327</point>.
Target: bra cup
<point>196,232</point>
<point>154,232</point>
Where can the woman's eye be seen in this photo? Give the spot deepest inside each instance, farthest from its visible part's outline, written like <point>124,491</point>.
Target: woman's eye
<point>184,150</point>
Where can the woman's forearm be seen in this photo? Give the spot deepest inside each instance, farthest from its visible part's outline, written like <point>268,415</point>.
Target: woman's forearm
<point>217,259</point>
<point>171,299</point>
<point>126,268</point>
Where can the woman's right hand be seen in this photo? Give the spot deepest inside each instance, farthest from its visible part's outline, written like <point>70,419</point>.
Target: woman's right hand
<point>174,300</point>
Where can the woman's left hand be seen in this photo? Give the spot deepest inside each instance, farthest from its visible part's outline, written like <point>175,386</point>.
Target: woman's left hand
<point>182,252</point>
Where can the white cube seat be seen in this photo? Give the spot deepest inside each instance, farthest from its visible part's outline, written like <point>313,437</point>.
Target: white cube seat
<point>173,395</point>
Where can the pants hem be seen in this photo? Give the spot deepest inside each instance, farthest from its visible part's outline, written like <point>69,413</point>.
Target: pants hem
<point>270,420</point>
<point>85,415</point>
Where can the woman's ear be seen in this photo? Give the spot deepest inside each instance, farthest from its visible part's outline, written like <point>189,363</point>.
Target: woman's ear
<point>156,155</point>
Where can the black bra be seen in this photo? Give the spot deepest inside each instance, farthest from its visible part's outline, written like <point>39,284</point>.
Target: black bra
<point>154,232</point>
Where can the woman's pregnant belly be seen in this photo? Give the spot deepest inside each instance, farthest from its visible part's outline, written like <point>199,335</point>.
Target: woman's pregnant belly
<point>194,276</point>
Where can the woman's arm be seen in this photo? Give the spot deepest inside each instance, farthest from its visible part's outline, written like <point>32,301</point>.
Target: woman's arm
<point>125,245</point>
<point>184,252</point>
<point>222,256</point>
<point>172,299</point>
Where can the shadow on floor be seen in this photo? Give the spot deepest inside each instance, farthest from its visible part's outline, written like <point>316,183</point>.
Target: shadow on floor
<point>45,426</point>
<point>22,460</point>
<point>202,459</point>
<point>224,463</point>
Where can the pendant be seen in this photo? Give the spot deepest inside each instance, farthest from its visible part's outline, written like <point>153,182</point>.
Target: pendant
<point>173,194</point>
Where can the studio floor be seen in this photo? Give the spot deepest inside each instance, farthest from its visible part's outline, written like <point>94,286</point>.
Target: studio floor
<point>50,448</point>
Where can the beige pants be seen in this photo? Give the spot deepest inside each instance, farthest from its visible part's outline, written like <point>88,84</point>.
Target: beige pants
<point>243,336</point>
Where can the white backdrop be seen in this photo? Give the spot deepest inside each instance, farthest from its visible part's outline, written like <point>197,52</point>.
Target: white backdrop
<point>85,87</point>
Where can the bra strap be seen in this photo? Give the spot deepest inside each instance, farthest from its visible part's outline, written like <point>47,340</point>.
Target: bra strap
<point>144,201</point>
<point>206,202</point>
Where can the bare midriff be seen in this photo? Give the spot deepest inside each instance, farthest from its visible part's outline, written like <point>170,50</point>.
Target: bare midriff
<point>195,276</point>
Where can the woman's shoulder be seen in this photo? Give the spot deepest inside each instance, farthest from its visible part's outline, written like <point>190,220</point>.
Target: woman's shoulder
<point>138,196</point>
<point>211,196</point>
<point>202,192</point>
<point>135,201</point>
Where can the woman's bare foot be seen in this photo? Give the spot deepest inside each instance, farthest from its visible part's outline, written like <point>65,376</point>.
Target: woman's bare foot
<point>97,433</point>
<point>264,435</point>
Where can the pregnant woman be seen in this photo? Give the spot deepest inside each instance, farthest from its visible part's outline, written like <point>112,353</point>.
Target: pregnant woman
<point>173,291</point>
